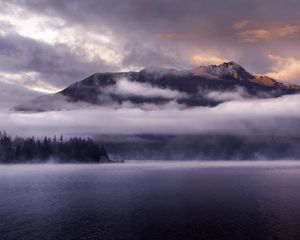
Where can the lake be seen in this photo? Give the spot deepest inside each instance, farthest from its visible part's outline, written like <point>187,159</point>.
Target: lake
<point>151,200</point>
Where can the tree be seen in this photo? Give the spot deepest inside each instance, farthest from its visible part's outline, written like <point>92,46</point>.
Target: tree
<point>30,149</point>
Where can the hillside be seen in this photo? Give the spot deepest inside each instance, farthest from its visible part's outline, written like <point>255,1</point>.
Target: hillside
<point>201,86</point>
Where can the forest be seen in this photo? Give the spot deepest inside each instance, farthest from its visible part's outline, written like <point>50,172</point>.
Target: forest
<point>25,150</point>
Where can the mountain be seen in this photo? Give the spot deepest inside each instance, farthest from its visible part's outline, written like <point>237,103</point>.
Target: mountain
<point>201,86</point>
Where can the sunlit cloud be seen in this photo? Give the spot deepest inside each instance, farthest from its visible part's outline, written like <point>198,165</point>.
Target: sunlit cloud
<point>255,35</point>
<point>287,30</point>
<point>90,45</point>
<point>28,80</point>
<point>285,68</point>
<point>44,89</point>
<point>200,59</point>
<point>261,34</point>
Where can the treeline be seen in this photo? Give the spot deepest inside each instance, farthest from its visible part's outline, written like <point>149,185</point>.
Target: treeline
<point>23,150</point>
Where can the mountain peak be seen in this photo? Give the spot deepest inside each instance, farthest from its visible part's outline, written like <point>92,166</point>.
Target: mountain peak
<point>228,70</point>
<point>231,64</point>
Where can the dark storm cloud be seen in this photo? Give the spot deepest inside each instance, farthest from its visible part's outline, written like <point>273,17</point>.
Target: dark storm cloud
<point>56,64</point>
<point>143,54</point>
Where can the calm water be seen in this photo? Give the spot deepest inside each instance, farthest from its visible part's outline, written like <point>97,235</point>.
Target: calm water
<point>149,200</point>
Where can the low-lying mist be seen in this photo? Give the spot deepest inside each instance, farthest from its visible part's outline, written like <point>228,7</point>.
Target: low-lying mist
<point>240,129</point>
<point>201,147</point>
<point>276,116</point>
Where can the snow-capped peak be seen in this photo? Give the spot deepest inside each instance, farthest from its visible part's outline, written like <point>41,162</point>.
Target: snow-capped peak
<point>227,70</point>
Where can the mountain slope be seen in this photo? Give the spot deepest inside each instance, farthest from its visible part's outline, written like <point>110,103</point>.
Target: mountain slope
<point>202,86</point>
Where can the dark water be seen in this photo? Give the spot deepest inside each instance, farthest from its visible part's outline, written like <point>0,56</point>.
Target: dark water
<point>150,201</point>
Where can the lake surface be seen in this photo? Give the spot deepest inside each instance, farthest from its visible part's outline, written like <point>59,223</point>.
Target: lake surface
<point>151,200</point>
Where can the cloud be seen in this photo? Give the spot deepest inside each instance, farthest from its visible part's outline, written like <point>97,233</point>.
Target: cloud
<point>238,94</point>
<point>246,116</point>
<point>255,35</point>
<point>45,53</point>
<point>29,80</point>
<point>177,36</point>
<point>200,59</point>
<point>137,55</point>
<point>49,30</point>
<point>285,68</point>
<point>124,87</point>
<point>287,30</point>
<point>42,63</point>
<point>12,94</point>
<point>241,24</point>
<point>145,23</point>
<point>261,34</point>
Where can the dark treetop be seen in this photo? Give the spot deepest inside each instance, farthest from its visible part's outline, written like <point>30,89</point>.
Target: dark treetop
<point>23,150</point>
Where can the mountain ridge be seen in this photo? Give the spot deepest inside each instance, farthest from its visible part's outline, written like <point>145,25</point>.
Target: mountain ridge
<point>160,86</point>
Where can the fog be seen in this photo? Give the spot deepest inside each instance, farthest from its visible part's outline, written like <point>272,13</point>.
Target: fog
<point>279,116</point>
<point>212,164</point>
<point>35,169</point>
<point>124,87</point>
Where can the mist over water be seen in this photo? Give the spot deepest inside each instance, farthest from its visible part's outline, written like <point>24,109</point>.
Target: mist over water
<point>151,200</point>
<point>277,116</point>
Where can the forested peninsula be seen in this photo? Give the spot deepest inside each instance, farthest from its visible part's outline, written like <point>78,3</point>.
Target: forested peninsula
<point>33,150</point>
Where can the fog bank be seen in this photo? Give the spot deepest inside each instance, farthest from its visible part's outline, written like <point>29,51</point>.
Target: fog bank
<point>279,116</point>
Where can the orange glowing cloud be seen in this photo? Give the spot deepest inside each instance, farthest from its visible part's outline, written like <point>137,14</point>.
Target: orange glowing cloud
<point>285,68</point>
<point>206,59</point>
<point>261,34</point>
<point>287,30</point>
<point>255,35</point>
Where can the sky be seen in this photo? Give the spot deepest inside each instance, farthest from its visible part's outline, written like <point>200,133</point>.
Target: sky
<point>45,45</point>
